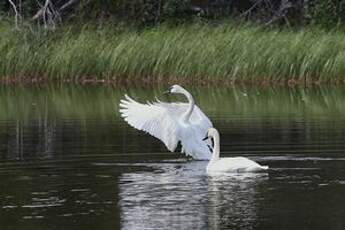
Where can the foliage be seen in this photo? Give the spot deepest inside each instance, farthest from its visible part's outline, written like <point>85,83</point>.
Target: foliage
<point>194,52</point>
<point>328,13</point>
<point>177,10</point>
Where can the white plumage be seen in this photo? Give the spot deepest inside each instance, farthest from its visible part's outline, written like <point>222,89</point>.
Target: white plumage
<point>171,122</point>
<point>231,164</point>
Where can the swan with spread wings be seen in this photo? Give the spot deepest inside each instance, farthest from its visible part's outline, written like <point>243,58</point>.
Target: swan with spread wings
<point>171,123</point>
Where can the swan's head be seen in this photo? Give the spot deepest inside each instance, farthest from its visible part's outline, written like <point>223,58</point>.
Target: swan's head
<point>211,133</point>
<point>176,89</point>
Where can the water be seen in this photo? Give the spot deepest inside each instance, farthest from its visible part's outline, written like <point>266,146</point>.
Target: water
<point>68,161</point>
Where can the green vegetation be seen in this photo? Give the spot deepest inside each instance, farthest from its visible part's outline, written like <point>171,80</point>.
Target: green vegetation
<point>327,13</point>
<point>184,53</point>
<point>51,14</point>
<point>26,104</point>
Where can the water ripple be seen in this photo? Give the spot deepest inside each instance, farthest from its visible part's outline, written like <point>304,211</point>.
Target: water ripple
<point>183,195</point>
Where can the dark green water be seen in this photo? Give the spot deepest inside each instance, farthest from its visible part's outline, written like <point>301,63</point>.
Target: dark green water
<point>68,161</point>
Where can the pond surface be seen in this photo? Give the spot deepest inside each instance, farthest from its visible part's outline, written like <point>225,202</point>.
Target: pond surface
<point>68,161</point>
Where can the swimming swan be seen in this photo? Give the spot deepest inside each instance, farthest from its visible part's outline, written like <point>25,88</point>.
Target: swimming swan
<point>171,122</point>
<point>230,164</point>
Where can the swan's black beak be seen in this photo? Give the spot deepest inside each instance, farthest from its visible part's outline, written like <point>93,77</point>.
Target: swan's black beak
<point>167,91</point>
<point>205,138</point>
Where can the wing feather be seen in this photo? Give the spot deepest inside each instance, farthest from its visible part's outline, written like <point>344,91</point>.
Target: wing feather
<point>162,120</point>
<point>153,119</point>
<point>197,118</point>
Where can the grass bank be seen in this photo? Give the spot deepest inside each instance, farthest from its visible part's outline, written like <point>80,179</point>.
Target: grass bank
<point>190,53</point>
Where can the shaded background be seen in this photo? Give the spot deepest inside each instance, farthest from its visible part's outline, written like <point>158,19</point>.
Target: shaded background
<point>327,13</point>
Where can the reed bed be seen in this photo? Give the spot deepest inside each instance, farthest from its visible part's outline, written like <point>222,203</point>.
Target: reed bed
<point>194,53</point>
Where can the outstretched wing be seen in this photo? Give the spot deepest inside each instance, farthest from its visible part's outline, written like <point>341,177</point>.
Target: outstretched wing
<point>198,118</point>
<point>154,119</point>
<point>191,139</point>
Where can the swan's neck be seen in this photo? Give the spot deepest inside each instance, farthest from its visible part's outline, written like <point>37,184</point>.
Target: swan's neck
<point>216,148</point>
<point>191,103</point>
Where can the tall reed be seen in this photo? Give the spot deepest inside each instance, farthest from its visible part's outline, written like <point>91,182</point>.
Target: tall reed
<point>192,52</point>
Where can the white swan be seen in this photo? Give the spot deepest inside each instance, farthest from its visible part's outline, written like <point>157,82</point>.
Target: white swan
<point>171,122</point>
<point>231,164</point>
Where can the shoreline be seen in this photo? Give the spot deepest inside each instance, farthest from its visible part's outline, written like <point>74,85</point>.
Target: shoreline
<point>122,81</point>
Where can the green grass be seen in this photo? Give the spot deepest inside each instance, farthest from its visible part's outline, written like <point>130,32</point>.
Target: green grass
<point>185,53</point>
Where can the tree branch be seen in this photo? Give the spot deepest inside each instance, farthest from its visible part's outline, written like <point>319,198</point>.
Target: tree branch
<point>251,8</point>
<point>48,14</point>
<point>68,4</point>
<point>17,15</point>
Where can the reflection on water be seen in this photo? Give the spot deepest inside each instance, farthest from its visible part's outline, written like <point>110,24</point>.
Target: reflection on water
<point>233,200</point>
<point>176,195</point>
<point>101,102</point>
<point>67,161</point>
<point>169,197</point>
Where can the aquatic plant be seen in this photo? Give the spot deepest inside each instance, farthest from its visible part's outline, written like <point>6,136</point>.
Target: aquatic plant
<point>193,53</point>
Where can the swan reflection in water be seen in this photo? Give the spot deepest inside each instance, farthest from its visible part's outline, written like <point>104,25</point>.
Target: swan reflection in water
<point>182,196</point>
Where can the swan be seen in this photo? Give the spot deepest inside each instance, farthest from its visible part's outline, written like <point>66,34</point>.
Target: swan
<point>171,122</point>
<point>229,164</point>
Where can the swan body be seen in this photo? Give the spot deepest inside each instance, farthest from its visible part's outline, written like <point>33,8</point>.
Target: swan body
<point>235,164</point>
<point>171,123</point>
<point>230,164</point>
